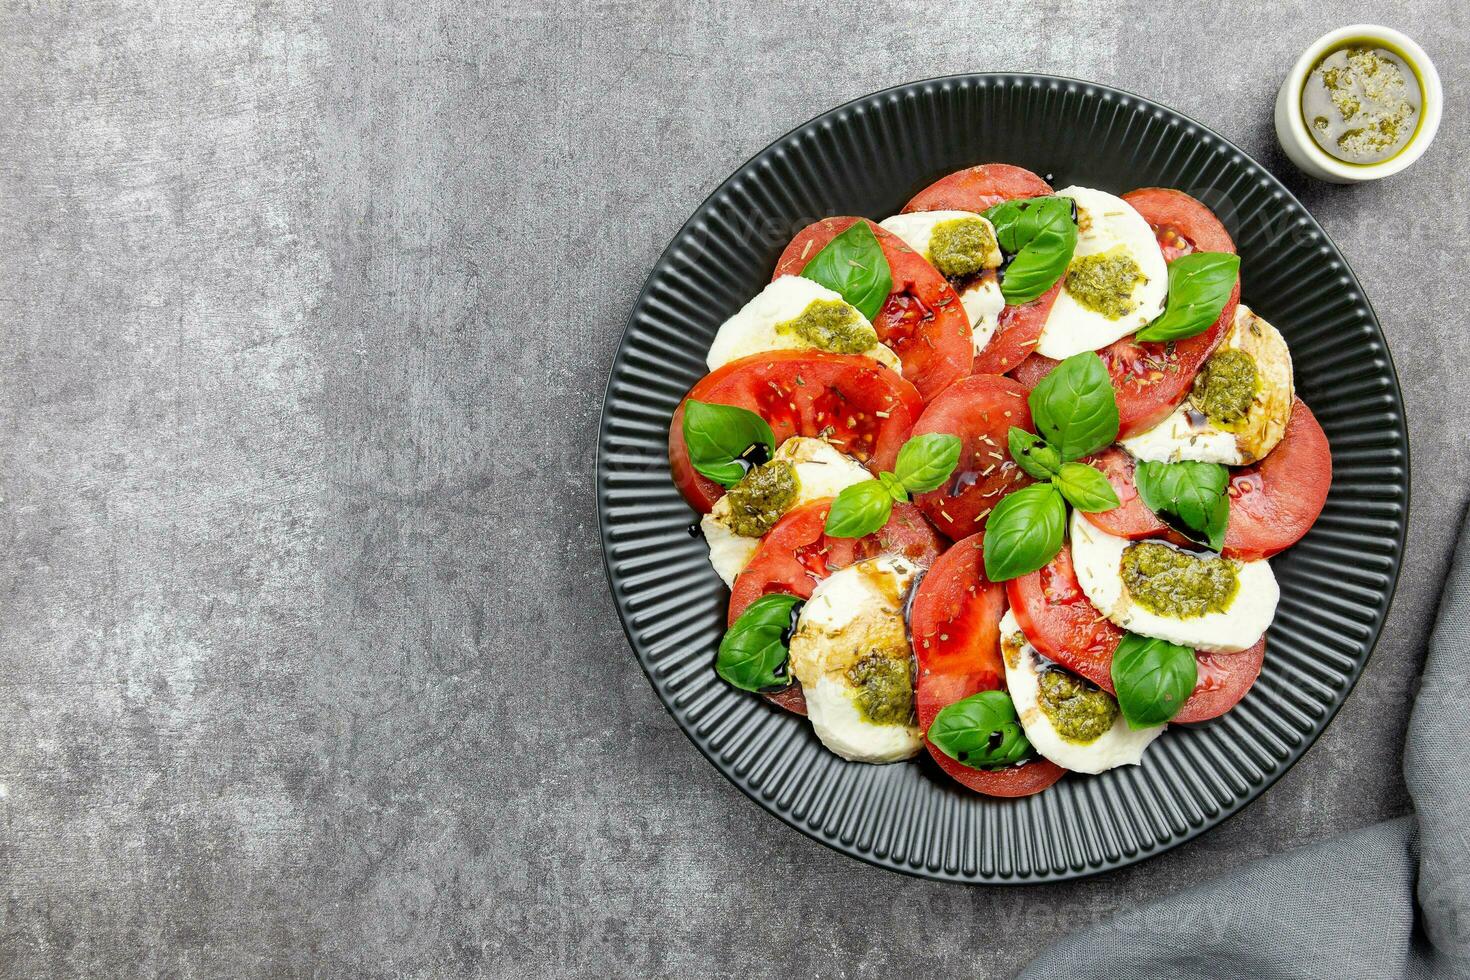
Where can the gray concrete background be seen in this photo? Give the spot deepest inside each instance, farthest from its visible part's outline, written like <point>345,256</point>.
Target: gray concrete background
<point>309,665</point>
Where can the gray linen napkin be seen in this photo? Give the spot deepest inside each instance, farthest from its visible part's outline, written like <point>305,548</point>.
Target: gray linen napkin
<point>1341,907</point>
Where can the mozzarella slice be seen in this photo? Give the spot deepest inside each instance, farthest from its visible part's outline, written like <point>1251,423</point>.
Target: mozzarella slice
<point>765,323</point>
<point>979,292</point>
<point>1190,433</point>
<point>1098,558</point>
<point>850,647</point>
<point>821,471</point>
<point>1119,745</point>
<point>1107,228</point>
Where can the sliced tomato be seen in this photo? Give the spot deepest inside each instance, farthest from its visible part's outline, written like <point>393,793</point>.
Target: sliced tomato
<point>1224,678</point>
<point>1063,625</point>
<point>1272,503</point>
<point>1060,621</point>
<point>1151,379</point>
<point>1181,222</point>
<point>978,189</point>
<point>796,554</point>
<point>980,410</point>
<point>955,624</point>
<point>1131,518</point>
<point>1276,501</point>
<point>863,408</point>
<point>923,321</point>
<point>1016,334</point>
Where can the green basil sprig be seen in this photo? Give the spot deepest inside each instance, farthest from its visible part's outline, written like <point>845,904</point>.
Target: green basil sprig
<point>1191,497</point>
<point>1200,284</point>
<point>1153,678</point>
<point>1076,412</point>
<point>753,652</point>
<point>1040,235</point>
<point>1075,408</point>
<point>717,436</point>
<point>982,731</point>
<point>923,464</point>
<point>854,265</point>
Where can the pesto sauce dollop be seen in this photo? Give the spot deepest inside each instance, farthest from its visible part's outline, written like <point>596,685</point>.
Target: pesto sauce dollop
<point>1104,282</point>
<point>1176,583</point>
<point>1362,104</point>
<point>885,691</point>
<point>831,325</point>
<point>1226,387</point>
<point>1080,711</point>
<point>960,247</point>
<point>761,497</point>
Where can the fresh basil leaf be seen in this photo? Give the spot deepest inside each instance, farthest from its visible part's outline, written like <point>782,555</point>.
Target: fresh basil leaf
<point>1031,453</point>
<point>754,651</point>
<point>1040,235</point>
<point>1024,532</point>
<point>859,510</point>
<point>1200,285</point>
<point>1085,488</point>
<point>894,486</point>
<point>718,435</point>
<point>1195,495</point>
<point>854,265</point>
<point>1153,679</point>
<point>1075,408</point>
<point>926,461</point>
<point>982,731</point>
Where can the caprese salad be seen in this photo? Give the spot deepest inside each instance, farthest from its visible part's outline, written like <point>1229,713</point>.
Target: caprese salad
<point>998,477</point>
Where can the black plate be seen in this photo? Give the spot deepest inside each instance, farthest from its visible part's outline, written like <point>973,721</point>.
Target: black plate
<point>868,157</point>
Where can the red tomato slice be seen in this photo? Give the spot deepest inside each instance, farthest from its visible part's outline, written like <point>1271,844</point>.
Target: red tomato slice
<point>978,189</point>
<point>796,554</point>
<point>1182,224</point>
<point>1276,501</point>
<point>1016,334</point>
<point>1131,518</point>
<point>865,409</point>
<point>1224,678</point>
<point>1063,625</point>
<point>1151,379</point>
<point>923,321</point>
<point>955,624</point>
<point>1272,503</point>
<point>980,410</point>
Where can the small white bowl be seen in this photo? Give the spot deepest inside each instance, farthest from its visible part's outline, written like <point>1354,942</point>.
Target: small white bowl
<point>1291,126</point>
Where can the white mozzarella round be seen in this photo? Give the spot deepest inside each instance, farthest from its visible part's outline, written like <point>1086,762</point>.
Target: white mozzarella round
<point>1120,745</point>
<point>729,552</point>
<point>821,471</point>
<point>1189,434</point>
<point>981,296</point>
<point>1106,223</point>
<point>1098,558</point>
<point>917,231</point>
<point>853,614</point>
<point>983,303</point>
<point>758,326</point>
